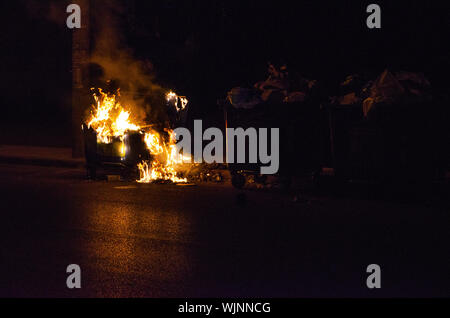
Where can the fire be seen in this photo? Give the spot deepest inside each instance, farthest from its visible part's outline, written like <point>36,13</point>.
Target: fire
<point>171,97</point>
<point>110,120</point>
<point>165,159</point>
<point>157,171</point>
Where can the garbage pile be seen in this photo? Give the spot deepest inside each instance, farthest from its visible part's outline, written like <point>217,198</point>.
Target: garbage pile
<point>398,88</point>
<point>279,87</point>
<point>202,172</point>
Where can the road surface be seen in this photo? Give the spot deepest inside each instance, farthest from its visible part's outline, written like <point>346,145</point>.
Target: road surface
<point>153,240</point>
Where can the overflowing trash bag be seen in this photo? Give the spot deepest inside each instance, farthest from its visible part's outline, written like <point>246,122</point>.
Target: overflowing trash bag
<point>401,87</point>
<point>279,87</point>
<point>383,129</point>
<point>388,88</point>
<point>245,98</point>
<point>351,90</point>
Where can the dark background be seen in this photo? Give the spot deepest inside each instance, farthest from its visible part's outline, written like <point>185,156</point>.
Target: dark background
<point>203,48</point>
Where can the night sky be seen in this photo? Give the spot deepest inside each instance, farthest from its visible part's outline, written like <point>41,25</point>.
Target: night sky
<point>204,48</point>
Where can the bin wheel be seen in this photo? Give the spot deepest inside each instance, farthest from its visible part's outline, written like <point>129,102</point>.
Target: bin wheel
<point>238,180</point>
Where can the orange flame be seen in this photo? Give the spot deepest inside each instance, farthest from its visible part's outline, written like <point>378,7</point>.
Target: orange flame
<point>109,119</point>
<point>165,159</point>
<point>174,98</point>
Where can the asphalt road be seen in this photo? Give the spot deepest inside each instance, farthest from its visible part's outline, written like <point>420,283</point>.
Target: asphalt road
<point>134,240</point>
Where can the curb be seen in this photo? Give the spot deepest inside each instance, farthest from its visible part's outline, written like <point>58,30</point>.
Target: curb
<point>46,162</point>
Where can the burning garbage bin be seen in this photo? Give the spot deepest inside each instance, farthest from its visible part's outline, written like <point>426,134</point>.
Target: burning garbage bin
<point>118,156</point>
<point>118,142</point>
